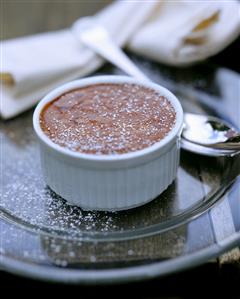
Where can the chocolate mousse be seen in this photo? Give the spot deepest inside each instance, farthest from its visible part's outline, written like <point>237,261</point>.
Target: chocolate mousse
<point>108,118</point>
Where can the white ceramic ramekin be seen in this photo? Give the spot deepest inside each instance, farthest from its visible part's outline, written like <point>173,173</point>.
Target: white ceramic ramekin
<point>110,182</point>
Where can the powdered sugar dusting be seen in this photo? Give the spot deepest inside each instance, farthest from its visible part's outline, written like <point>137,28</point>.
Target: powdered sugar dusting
<point>108,118</point>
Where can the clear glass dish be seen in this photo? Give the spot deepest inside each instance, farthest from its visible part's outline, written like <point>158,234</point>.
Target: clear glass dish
<point>195,219</point>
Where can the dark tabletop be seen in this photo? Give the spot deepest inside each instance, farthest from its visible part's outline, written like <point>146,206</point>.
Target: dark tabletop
<point>216,276</point>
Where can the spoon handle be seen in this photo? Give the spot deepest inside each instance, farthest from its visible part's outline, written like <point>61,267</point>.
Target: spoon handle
<point>97,39</point>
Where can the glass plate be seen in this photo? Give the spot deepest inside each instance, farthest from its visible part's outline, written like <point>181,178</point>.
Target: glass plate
<point>195,219</point>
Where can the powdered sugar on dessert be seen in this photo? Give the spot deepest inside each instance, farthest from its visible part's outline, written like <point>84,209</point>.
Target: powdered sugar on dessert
<point>108,118</point>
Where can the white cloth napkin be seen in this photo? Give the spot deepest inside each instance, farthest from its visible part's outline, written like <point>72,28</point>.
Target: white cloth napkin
<point>176,33</point>
<point>184,32</point>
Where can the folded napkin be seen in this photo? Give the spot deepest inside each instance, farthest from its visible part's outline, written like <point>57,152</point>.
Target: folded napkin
<point>184,32</point>
<point>176,33</point>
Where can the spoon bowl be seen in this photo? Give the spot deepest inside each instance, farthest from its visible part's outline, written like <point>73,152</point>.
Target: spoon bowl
<point>209,131</point>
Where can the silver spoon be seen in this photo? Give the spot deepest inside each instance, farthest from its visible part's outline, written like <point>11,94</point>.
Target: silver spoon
<point>201,134</point>
<point>209,136</point>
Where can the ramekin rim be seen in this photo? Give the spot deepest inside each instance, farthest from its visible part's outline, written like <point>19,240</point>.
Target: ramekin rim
<point>116,79</point>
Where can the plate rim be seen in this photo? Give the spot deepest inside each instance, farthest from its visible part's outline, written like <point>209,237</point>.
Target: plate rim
<point>123,275</point>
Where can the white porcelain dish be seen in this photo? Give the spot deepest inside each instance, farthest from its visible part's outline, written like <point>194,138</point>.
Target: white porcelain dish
<point>110,182</point>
